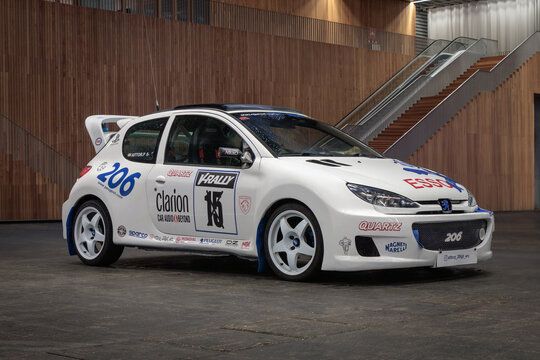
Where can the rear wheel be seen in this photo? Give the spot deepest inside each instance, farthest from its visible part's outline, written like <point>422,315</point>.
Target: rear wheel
<point>293,242</point>
<point>92,235</point>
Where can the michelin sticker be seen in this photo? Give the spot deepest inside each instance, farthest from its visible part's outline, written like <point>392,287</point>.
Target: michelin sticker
<point>214,194</point>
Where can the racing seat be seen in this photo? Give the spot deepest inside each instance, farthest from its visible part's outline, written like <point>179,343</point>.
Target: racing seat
<point>206,141</point>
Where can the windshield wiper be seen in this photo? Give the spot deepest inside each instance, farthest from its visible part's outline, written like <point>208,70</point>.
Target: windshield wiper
<point>303,154</point>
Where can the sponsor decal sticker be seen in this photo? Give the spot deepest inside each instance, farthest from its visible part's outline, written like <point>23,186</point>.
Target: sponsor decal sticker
<point>188,239</point>
<point>165,238</point>
<point>144,154</point>
<point>246,245</point>
<point>396,247</point>
<point>138,234</point>
<point>177,204</point>
<point>121,231</point>
<point>245,204</point>
<point>211,241</point>
<point>345,243</point>
<point>233,243</point>
<point>216,179</point>
<point>185,239</point>
<point>427,183</point>
<point>99,141</point>
<point>421,171</point>
<point>379,226</point>
<point>118,178</point>
<point>102,166</point>
<point>179,173</point>
<point>214,194</point>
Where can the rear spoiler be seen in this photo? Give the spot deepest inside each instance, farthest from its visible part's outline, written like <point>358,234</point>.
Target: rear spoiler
<point>97,127</point>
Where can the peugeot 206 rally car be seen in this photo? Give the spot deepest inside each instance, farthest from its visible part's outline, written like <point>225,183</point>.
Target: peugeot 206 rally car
<point>265,183</point>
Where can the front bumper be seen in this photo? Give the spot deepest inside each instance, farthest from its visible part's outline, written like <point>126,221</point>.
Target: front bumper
<point>395,241</point>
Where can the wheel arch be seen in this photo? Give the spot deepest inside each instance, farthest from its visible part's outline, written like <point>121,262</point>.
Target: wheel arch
<point>71,218</point>
<point>263,265</point>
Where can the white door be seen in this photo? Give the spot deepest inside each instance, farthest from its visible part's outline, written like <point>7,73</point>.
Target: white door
<point>200,190</point>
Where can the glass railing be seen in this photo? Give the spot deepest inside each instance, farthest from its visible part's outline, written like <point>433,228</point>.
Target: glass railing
<point>393,83</point>
<point>435,57</point>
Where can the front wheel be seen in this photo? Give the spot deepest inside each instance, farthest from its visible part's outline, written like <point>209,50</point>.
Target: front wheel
<point>293,242</point>
<point>92,235</point>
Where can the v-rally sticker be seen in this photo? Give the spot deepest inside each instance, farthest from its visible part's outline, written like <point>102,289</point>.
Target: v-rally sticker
<point>216,179</point>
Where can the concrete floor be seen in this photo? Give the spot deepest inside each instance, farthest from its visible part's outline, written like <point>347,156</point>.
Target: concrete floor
<point>153,305</point>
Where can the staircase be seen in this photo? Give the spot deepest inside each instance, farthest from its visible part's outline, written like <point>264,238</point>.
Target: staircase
<point>423,106</point>
<point>34,178</point>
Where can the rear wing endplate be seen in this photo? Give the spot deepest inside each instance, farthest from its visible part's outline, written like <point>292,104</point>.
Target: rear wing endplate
<point>98,128</point>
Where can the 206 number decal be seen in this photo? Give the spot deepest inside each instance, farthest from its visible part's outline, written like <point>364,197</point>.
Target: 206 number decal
<point>451,237</point>
<point>119,177</point>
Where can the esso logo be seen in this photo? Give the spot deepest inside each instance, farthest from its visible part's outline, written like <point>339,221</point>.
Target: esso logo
<point>451,237</point>
<point>98,141</point>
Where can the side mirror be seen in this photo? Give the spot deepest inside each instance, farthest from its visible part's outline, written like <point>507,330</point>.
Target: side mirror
<point>246,158</point>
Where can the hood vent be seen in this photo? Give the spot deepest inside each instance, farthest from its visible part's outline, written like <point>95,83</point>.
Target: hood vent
<point>327,162</point>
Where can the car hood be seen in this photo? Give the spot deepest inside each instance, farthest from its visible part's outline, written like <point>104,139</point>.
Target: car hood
<point>416,183</point>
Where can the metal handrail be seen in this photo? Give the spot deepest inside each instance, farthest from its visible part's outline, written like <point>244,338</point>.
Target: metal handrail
<point>423,85</point>
<point>402,87</point>
<point>343,122</point>
<point>36,154</point>
<point>480,81</point>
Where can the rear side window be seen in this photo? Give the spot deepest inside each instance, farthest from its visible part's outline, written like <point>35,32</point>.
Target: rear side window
<point>142,140</point>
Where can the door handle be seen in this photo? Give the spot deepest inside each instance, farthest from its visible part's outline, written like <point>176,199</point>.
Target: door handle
<point>160,180</point>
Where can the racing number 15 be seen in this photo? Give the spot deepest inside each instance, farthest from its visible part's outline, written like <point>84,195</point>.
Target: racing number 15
<point>214,210</point>
<point>126,183</point>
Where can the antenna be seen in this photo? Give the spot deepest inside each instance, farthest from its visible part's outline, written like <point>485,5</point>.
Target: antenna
<point>151,64</point>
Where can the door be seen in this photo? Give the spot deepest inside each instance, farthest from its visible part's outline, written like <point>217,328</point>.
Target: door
<point>124,176</point>
<point>202,188</point>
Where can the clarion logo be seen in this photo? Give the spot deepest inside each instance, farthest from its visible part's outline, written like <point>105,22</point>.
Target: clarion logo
<point>216,179</point>
<point>396,246</point>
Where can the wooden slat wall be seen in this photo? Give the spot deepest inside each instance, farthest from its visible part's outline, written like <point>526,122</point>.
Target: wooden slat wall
<point>489,145</point>
<point>25,194</point>
<point>390,15</point>
<point>60,64</point>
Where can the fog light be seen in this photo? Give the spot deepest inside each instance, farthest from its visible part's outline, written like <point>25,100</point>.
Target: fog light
<point>482,234</point>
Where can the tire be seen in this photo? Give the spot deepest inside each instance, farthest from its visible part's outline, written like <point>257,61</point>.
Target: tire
<point>293,243</point>
<point>92,235</point>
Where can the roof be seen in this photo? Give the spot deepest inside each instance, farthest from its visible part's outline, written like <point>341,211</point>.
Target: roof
<point>236,107</point>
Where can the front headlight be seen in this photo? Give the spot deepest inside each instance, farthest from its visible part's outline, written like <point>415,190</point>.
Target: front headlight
<point>472,200</point>
<point>380,197</point>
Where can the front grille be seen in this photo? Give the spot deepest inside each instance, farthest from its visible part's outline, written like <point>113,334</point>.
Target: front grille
<point>436,202</point>
<point>450,235</point>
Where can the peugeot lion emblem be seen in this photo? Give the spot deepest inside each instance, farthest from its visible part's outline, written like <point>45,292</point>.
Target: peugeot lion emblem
<point>446,206</point>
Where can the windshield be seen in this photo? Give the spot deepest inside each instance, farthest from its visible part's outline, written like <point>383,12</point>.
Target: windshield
<point>296,135</point>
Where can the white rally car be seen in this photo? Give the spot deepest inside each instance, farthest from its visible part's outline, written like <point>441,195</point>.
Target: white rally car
<point>265,183</point>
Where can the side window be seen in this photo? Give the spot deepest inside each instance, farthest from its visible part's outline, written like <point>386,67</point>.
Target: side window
<point>141,141</point>
<point>196,139</point>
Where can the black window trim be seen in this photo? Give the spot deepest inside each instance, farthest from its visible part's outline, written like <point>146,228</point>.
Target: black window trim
<point>158,142</point>
<point>212,116</point>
